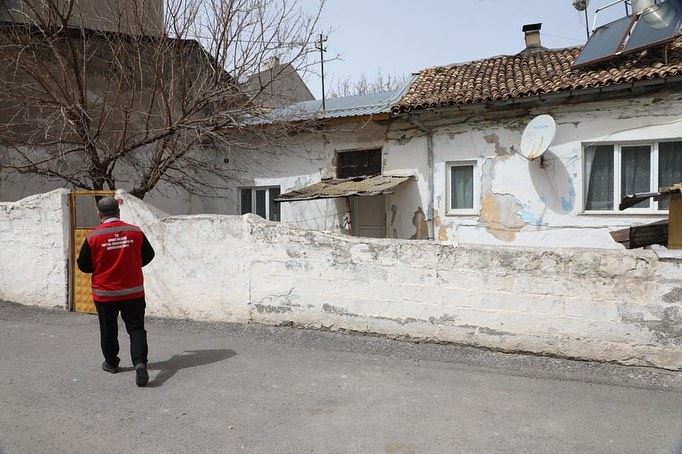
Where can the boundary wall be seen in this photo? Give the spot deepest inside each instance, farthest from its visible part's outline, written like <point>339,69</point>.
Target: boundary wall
<point>35,238</point>
<point>594,304</point>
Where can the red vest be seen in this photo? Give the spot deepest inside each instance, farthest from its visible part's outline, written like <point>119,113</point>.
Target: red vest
<point>117,262</point>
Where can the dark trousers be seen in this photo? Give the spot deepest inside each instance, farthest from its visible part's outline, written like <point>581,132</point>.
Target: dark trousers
<point>132,313</point>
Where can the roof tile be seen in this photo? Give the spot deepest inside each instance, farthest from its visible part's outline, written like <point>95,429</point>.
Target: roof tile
<point>531,74</point>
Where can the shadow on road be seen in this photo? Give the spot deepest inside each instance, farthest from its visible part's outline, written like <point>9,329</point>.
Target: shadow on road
<point>192,358</point>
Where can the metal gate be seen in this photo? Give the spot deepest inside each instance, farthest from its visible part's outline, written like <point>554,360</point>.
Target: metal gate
<point>84,218</point>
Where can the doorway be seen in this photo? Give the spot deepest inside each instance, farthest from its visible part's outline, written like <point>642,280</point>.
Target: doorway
<point>368,215</point>
<point>84,218</point>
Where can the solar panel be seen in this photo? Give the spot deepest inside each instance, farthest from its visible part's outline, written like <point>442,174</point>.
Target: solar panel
<point>604,42</point>
<point>656,27</point>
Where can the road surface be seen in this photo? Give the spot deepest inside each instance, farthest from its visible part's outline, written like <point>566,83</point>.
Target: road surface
<point>224,388</point>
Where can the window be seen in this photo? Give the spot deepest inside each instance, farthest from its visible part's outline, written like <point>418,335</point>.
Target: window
<point>669,167</point>
<point>462,192</point>
<point>261,201</point>
<point>614,171</point>
<point>359,163</point>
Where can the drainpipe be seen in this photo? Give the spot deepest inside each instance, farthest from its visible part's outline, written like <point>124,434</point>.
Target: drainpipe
<point>429,156</point>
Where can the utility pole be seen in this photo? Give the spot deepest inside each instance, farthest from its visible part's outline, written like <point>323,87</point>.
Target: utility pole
<point>320,46</point>
<point>583,5</point>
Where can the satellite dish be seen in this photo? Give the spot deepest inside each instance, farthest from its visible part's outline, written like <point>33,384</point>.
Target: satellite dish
<point>538,136</point>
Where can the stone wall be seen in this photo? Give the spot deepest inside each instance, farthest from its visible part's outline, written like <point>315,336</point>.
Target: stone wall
<point>34,233</point>
<point>605,305</point>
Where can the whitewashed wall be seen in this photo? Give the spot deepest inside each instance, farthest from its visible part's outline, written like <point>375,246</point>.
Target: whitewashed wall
<point>34,233</point>
<point>295,163</point>
<point>598,304</point>
<point>520,202</point>
<point>610,305</point>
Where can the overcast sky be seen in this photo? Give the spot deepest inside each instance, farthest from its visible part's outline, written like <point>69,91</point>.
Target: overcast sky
<point>404,36</point>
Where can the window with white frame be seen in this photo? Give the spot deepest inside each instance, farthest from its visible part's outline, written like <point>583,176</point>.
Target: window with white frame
<point>613,171</point>
<point>462,195</point>
<point>261,201</point>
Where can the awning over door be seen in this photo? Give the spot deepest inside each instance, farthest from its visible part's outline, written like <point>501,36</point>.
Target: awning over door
<point>346,187</point>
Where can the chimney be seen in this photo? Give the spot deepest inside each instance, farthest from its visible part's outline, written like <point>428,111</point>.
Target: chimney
<point>532,32</point>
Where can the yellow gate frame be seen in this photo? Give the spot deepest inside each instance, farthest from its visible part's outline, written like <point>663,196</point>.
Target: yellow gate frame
<point>81,293</point>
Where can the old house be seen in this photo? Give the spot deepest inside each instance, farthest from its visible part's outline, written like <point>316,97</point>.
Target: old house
<point>456,133</point>
<point>618,132</point>
<point>339,153</point>
<point>440,159</point>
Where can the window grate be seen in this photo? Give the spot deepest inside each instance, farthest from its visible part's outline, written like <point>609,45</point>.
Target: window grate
<point>359,163</point>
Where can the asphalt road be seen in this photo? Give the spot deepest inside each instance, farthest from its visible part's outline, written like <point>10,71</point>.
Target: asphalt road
<point>222,388</point>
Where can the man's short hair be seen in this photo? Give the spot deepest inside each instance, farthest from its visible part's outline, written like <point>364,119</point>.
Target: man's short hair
<point>108,206</point>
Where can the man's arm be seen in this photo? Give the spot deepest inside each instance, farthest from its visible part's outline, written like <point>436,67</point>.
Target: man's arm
<point>147,252</point>
<point>85,258</point>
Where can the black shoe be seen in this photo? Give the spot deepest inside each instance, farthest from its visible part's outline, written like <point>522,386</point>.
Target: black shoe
<point>141,374</point>
<point>106,367</point>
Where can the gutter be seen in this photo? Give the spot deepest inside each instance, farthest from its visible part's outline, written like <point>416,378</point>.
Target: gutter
<point>429,156</point>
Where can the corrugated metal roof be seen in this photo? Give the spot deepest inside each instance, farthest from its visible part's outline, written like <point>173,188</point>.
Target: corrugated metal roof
<point>346,187</point>
<point>344,107</point>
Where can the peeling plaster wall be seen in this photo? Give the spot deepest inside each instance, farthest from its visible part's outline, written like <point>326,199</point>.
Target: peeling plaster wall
<point>34,233</point>
<point>200,266</point>
<point>520,202</point>
<point>610,305</point>
<point>407,208</point>
<point>597,304</point>
<point>305,160</point>
<point>292,163</point>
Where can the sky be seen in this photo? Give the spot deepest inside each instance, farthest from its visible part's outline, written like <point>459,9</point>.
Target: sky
<point>401,37</point>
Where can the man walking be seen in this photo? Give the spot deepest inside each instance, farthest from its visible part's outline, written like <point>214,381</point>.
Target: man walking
<point>115,252</point>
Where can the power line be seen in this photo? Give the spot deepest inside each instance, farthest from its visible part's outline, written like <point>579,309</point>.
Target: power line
<point>564,37</point>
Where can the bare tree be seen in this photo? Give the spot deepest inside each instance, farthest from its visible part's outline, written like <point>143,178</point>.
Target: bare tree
<point>363,85</point>
<point>108,94</point>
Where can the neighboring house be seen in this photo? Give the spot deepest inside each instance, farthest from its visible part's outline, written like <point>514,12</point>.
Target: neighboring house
<point>125,16</point>
<point>122,112</point>
<point>457,130</point>
<point>101,25</point>
<point>277,85</point>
